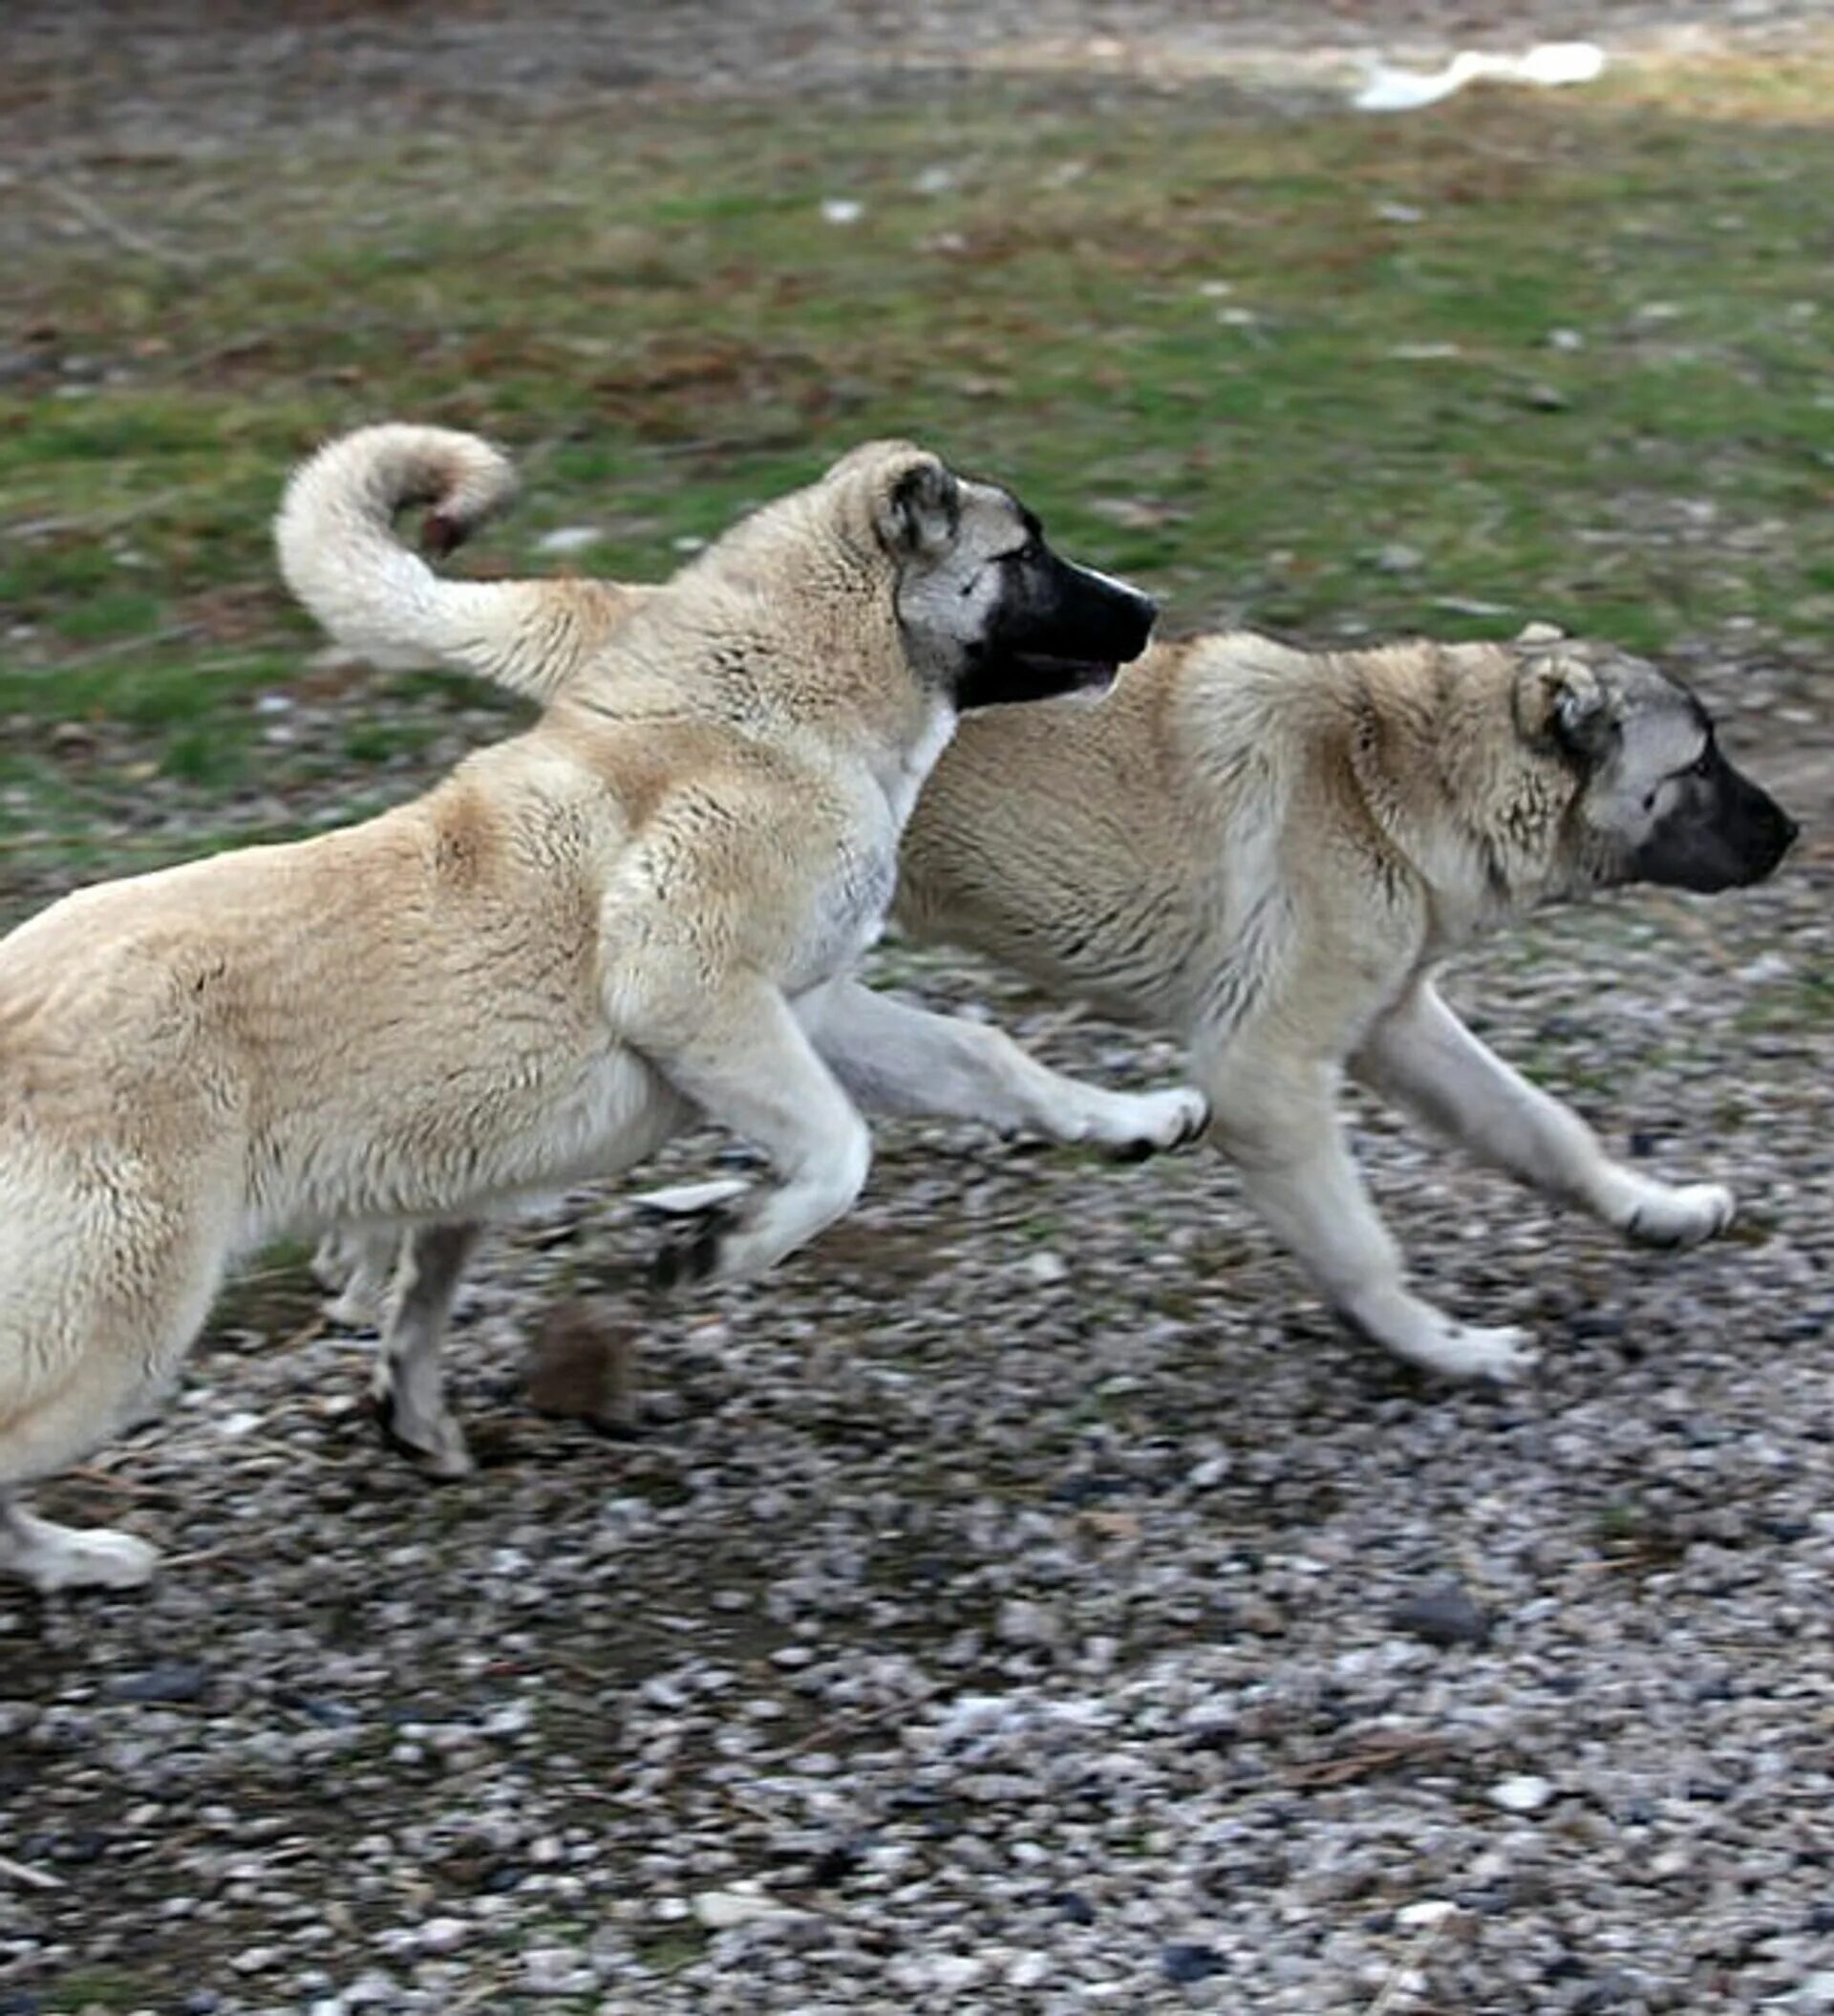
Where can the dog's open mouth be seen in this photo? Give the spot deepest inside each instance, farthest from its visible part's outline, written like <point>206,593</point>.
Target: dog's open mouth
<point>1068,674</point>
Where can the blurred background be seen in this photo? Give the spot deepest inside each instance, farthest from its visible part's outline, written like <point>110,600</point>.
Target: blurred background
<point>1556,352</point>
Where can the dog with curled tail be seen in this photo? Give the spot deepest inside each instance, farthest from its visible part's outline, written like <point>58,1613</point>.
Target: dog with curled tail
<point>646,907</point>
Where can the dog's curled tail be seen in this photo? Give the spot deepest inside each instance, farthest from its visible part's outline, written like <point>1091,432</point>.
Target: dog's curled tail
<point>339,555</point>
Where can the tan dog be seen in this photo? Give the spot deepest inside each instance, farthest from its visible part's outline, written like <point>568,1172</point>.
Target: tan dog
<point>527,977</point>
<point>1269,851</point>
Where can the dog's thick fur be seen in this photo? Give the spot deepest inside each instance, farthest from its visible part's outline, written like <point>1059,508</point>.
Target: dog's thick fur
<point>1269,851</point>
<point>532,974</point>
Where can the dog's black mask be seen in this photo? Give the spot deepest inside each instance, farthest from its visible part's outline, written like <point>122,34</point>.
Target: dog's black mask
<point>1058,629</point>
<point>1722,831</point>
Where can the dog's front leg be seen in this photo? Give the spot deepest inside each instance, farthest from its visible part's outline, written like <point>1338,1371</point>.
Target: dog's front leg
<point>1278,1123</point>
<point>749,1067</point>
<point>902,1060</point>
<point>407,1386</point>
<point>1423,1058</point>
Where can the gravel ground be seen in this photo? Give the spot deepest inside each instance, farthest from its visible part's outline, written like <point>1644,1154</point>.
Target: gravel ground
<point>1028,1601</point>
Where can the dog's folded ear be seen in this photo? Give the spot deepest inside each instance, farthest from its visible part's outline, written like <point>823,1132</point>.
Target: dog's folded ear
<point>1560,699</point>
<point>922,507</point>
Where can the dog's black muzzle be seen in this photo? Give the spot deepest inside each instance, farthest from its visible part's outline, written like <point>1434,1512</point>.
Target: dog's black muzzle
<point>1060,628</point>
<point>1726,832</point>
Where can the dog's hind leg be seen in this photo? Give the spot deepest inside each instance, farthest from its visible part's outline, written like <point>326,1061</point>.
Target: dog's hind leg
<point>85,1347</point>
<point>407,1387</point>
<point>354,1265</point>
<point>903,1060</point>
<point>1277,1122</point>
<point>53,1558</point>
<point>1422,1057</point>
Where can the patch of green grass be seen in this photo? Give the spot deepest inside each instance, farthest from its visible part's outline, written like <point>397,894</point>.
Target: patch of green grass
<point>98,1989</point>
<point>669,1950</point>
<point>1236,352</point>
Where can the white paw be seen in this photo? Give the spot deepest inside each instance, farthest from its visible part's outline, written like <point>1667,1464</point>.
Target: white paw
<point>1468,1351</point>
<point>1422,1335</point>
<point>97,1559</point>
<point>1143,1123</point>
<point>688,1200</point>
<point>1679,1218</point>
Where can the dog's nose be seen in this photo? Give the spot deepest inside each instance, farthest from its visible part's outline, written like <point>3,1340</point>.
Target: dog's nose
<point>1142,612</point>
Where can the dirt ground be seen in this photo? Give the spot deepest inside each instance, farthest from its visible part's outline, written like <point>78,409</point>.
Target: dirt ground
<point>161,72</point>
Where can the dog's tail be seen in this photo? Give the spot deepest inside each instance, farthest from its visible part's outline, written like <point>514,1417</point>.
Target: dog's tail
<point>339,555</point>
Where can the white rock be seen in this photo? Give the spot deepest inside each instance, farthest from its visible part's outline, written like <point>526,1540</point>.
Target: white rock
<point>1044,1269</point>
<point>569,539</point>
<point>720,1910</point>
<point>1526,1794</point>
<point>1023,1622</point>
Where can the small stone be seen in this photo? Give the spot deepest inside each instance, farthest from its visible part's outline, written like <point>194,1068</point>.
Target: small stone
<point>569,539</point>
<point>1044,1270</point>
<point>720,1910</point>
<point>1028,1970</point>
<point>179,1681</point>
<point>556,1970</point>
<point>1444,1614</point>
<point>1027,1624</point>
<point>443,1935</point>
<point>1526,1794</point>
<point>835,1862</point>
<point>1395,558</point>
<point>1185,1960</point>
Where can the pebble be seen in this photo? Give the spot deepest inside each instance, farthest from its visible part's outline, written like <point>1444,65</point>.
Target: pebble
<point>1187,1961</point>
<point>567,539</point>
<point>1445,1615</point>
